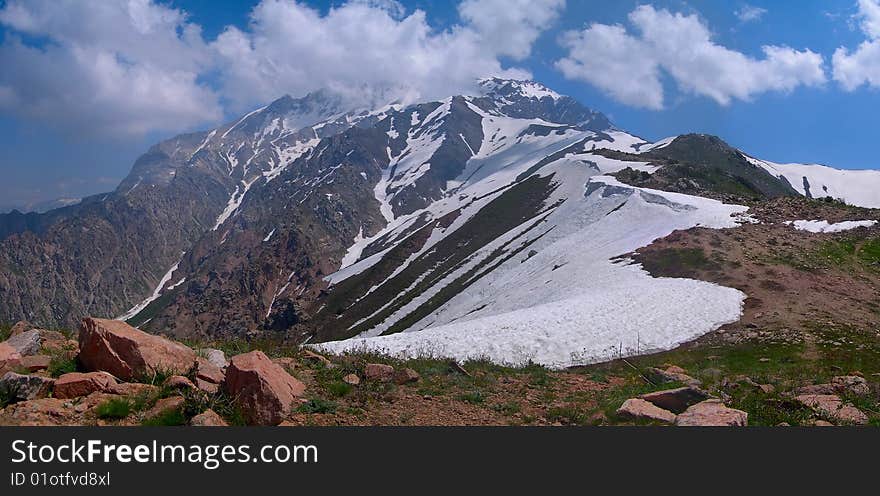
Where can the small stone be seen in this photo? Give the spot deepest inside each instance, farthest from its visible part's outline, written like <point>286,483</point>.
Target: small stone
<point>311,355</point>
<point>179,382</point>
<point>764,360</point>
<point>208,418</point>
<point>76,384</point>
<point>208,387</point>
<point>216,357</point>
<point>378,372</point>
<point>637,408</point>
<point>352,379</point>
<point>133,389</point>
<point>672,373</point>
<point>34,363</point>
<point>165,406</point>
<point>208,371</point>
<point>822,423</point>
<point>712,413</point>
<point>405,376</point>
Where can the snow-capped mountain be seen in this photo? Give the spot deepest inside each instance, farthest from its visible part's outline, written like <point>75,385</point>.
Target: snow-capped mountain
<point>477,225</point>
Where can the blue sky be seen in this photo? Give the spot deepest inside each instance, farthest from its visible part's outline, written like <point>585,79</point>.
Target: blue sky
<point>60,139</point>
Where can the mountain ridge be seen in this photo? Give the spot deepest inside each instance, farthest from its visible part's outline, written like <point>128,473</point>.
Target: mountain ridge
<point>321,222</point>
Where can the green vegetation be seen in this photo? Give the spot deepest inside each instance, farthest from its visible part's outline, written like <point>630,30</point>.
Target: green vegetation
<point>850,252</point>
<point>116,408</point>
<point>5,330</point>
<point>678,262</point>
<point>169,418</point>
<point>62,364</point>
<point>318,405</point>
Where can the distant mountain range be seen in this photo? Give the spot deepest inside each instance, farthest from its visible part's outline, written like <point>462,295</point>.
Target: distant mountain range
<point>477,225</point>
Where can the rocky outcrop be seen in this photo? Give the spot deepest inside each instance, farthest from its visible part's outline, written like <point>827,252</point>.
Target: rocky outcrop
<point>76,384</point>
<point>263,390</point>
<point>116,347</point>
<point>712,413</point>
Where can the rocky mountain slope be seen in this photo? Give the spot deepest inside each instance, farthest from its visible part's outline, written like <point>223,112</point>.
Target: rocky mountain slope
<point>479,225</point>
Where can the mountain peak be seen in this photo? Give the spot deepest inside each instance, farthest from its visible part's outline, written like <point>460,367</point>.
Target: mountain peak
<point>519,87</point>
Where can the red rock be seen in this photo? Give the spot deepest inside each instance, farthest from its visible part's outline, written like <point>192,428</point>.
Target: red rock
<point>311,355</point>
<point>208,418</point>
<point>134,389</point>
<point>636,408</point>
<point>9,357</point>
<point>711,413</point>
<point>76,384</point>
<point>263,390</point>
<point>127,353</point>
<point>165,406</point>
<point>179,382</point>
<point>405,376</point>
<point>378,372</point>
<point>352,379</point>
<point>35,362</point>
<point>208,387</point>
<point>208,371</point>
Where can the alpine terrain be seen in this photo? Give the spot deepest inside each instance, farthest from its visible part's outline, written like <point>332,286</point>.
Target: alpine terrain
<point>499,225</point>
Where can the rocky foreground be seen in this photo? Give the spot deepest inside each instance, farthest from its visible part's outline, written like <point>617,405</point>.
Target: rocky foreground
<point>113,374</point>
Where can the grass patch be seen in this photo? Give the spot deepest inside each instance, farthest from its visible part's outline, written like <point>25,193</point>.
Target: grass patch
<point>318,405</point>
<point>61,364</point>
<point>473,397</point>
<point>166,419</point>
<point>5,331</point>
<point>116,408</point>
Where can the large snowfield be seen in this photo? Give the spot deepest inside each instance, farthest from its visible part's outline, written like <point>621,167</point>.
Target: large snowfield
<point>564,301</point>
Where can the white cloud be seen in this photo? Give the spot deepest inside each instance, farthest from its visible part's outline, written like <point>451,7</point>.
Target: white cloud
<point>510,27</point>
<point>750,13</point>
<point>134,66</point>
<point>682,47</point>
<point>105,67</point>
<point>291,48</point>
<point>862,66</point>
<point>614,61</point>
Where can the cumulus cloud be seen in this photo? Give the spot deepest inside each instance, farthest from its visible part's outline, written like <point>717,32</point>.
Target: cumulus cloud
<point>134,66</point>
<point>292,48</point>
<point>750,13</point>
<point>862,66</point>
<point>107,67</point>
<point>682,47</point>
